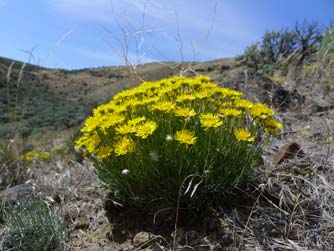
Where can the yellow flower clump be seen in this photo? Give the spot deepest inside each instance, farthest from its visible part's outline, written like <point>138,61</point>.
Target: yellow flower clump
<point>148,140</point>
<point>35,155</point>
<point>136,113</point>
<point>313,68</point>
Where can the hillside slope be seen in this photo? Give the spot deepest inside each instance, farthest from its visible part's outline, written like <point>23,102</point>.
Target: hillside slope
<point>44,99</point>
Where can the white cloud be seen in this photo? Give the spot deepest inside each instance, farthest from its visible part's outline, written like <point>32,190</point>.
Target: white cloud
<point>227,30</point>
<point>190,16</point>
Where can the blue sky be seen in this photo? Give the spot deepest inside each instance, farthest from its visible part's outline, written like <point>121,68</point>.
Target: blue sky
<point>75,34</point>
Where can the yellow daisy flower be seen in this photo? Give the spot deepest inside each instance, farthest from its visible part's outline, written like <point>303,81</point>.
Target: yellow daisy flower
<point>91,123</point>
<point>262,111</point>
<point>231,112</point>
<point>243,135</point>
<point>124,145</point>
<point>243,103</point>
<point>150,100</point>
<point>104,152</point>
<point>125,129</point>
<point>203,94</point>
<point>29,156</point>
<point>185,137</point>
<point>184,112</point>
<point>92,142</point>
<point>136,121</point>
<point>163,106</point>
<point>146,129</point>
<point>185,98</point>
<point>210,120</point>
<point>228,92</point>
<point>89,141</point>
<point>273,123</point>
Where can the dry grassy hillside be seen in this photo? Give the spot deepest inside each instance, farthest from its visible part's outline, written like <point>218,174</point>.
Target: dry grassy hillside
<point>58,99</point>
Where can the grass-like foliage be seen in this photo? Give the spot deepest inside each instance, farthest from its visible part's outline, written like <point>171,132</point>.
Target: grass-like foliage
<point>13,171</point>
<point>326,50</point>
<point>32,225</point>
<point>152,140</point>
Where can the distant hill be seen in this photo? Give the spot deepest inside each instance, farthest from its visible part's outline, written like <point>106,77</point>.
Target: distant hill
<point>6,62</point>
<point>48,99</point>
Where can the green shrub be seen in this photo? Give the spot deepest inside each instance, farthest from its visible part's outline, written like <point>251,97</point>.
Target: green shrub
<point>326,50</point>
<point>31,225</point>
<point>251,58</point>
<point>280,50</point>
<point>151,140</point>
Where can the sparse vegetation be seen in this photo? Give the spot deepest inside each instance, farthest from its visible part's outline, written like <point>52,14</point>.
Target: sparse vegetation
<point>12,169</point>
<point>283,50</point>
<point>326,50</point>
<point>32,225</point>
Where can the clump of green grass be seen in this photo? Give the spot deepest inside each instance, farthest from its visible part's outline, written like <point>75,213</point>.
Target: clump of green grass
<point>32,225</point>
<point>151,141</point>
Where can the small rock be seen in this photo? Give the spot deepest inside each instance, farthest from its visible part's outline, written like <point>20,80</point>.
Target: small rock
<point>320,104</point>
<point>287,151</point>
